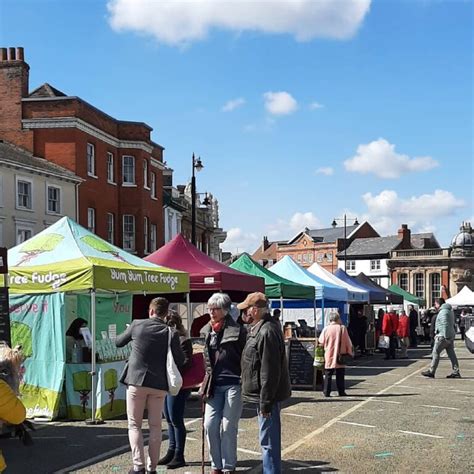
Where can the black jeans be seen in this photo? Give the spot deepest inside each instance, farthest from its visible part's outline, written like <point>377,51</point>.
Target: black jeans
<point>390,352</point>
<point>341,386</point>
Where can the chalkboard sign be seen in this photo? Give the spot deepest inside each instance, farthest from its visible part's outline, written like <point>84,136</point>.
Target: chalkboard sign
<point>300,360</point>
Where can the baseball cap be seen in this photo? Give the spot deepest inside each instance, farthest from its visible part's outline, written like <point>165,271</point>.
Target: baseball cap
<point>254,299</point>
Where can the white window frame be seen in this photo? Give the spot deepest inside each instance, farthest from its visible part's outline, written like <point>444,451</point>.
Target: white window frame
<point>60,200</point>
<point>132,231</point>
<point>30,182</point>
<point>351,265</point>
<point>419,290</point>
<point>110,168</point>
<point>375,265</point>
<point>23,228</point>
<point>91,219</point>
<point>153,185</point>
<point>111,227</point>
<point>90,153</point>
<point>146,236</point>
<point>133,182</point>
<point>146,183</point>
<point>435,294</point>
<point>404,285</point>
<point>153,234</point>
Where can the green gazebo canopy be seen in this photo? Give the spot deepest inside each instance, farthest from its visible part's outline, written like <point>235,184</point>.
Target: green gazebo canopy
<point>275,286</point>
<point>407,296</point>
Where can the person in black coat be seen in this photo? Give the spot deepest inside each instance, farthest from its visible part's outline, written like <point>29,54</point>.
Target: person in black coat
<point>413,315</point>
<point>145,375</point>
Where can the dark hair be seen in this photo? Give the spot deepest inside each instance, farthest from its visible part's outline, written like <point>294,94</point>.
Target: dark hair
<point>74,328</point>
<point>160,306</point>
<point>440,301</point>
<point>173,320</point>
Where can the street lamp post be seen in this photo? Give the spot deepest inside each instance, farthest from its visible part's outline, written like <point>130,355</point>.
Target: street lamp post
<point>197,166</point>
<point>334,224</point>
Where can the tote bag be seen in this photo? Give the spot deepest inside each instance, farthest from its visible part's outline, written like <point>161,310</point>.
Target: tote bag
<point>175,381</point>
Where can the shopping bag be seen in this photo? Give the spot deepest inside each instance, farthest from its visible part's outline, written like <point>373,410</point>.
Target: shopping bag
<point>384,342</point>
<point>175,381</point>
<point>319,357</point>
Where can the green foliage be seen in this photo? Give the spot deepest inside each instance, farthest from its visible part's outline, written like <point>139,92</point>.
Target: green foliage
<point>22,335</point>
<point>82,381</point>
<point>97,244</point>
<point>110,379</point>
<point>42,243</point>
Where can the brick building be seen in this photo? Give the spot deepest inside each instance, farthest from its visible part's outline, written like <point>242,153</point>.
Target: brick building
<point>121,196</point>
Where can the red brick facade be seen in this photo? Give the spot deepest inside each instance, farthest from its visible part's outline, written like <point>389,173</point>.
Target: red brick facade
<point>59,128</point>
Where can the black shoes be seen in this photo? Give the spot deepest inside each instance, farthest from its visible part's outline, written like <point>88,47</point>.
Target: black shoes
<point>141,471</point>
<point>167,458</point>
<point>454,375</point>
<point>428,373</point>
<point>343,394</point>
<point>176,463</point>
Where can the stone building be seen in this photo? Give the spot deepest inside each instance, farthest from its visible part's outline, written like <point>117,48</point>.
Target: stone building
<point>461,270</point>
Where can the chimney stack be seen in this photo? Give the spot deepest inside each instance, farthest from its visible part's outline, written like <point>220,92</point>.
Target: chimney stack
<point>265,243</point>
<point>404,235</point>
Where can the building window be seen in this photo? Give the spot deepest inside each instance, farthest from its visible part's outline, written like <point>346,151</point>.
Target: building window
<point>110,228</point>
<point>435,285</point>
<point>54,200</point>
<point>153,185</point>
<point>351,265</point>
<point>320,257</point>
<point>91,219</point>
<point>129,232</point>
<point>153,237</point>
<point>24,196</point>
<point>110,168</point>
<point>374,265</point>
<point>91,159</point>
<point>419,285</point>
<point>145,174</point>
<point>403,281</point>
<point>128,169</point>
<point>376,280</point>
<point>145,235</point>
<point>310,258</point>
<point>298,258</point>
<point>305,258</point>
<point>22,234</point>
<point>329,257</point>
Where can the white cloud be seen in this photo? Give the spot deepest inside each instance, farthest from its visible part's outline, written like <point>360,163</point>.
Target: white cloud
<point>280,103</point>
<point>233,104</point>
<point>315,106</point>
<point>238,241</point>
<point>325,170</point>
<point>178,22</point>
<point>380,158</point>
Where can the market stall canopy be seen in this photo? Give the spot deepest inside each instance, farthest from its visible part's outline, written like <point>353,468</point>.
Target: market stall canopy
<point>464,298</point>
<point>67,257</point>
<point>376,296</point>
<point>275,285</point>
<point>389,296</point>
<point>206,274</point>
<point>407,296</point>
<point>354,294</point>
<point>289,269</point>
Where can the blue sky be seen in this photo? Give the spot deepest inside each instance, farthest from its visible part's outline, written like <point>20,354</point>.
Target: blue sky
<point>300,111</point>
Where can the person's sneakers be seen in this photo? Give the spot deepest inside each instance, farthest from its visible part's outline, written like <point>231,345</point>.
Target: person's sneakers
<point>140,471</point>
<point>343,394</point>
<point>454,375</point>
<point>167,458</point>
<point>428,373</point>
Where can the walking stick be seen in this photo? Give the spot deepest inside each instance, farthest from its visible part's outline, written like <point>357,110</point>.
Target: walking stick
<point>202,435</point>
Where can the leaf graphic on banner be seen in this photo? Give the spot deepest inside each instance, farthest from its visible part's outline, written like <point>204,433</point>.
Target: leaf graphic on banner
<point>100,245</point>
<point>21,336</point>
<point>38,245</point>
<point>111,384</point>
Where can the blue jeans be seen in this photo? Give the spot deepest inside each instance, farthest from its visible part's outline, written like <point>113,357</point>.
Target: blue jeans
<point>174,414</point>
<point>221,422</point>
<point>270,440</point>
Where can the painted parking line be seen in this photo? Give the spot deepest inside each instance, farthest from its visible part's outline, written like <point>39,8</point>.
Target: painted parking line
<point>356,424</point>
<point>248,451</point>
<point>443,408</point>
<point>334,420</point>
<point>297,415</point>
<point>387,401</point>
<point>459,391</point>
<point>421,434</point>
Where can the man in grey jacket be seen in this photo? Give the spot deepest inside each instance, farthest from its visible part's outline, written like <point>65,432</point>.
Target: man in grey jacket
<point>444,339</point>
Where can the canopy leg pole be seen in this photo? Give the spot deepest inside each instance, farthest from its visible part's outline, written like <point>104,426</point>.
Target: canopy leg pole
<point>190,314</point>
<point>93,420</point>
<point>315,316</point>
<point>322,312</point>
<point>282,315</point>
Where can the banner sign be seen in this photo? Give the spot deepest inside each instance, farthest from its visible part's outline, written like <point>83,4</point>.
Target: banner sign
<point>37,324</point>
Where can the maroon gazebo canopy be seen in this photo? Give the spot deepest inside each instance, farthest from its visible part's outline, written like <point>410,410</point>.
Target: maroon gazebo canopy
<point>206,274</point>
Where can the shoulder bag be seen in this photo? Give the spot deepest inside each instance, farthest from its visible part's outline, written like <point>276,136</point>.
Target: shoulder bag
<point>175,381</point>
<point>342,359</point>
